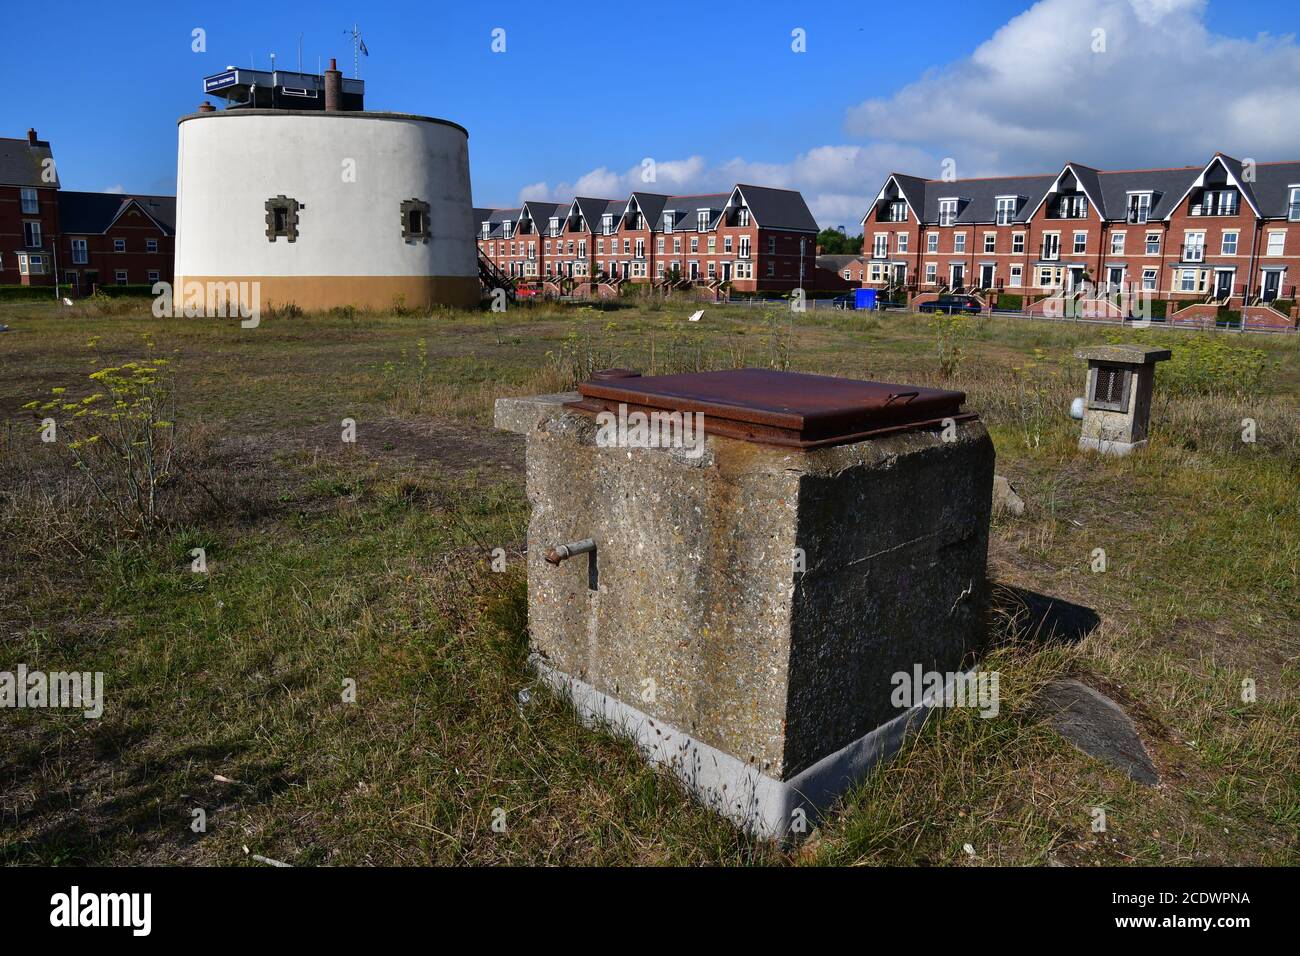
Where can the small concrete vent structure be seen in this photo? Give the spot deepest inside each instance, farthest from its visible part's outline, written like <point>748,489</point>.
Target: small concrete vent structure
<point>741,602</point>
<point>1117,406</point>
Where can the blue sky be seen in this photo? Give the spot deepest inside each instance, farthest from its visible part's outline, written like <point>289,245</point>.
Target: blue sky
<point>711,91</point>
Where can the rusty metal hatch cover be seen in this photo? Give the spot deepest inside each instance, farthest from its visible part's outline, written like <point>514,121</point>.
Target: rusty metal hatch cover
<point>794,409</point>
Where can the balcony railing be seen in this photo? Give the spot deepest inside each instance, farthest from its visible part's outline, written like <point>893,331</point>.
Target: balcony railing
<point>1222,209</point>
<point>1139,216</point>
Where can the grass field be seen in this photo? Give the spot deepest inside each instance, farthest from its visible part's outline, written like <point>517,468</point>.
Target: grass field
<point>370,562</point>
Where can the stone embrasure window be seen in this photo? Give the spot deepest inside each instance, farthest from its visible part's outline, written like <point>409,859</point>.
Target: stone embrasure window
<point>1110,388</point>
<point>282,218</point>
<point>415,220</point>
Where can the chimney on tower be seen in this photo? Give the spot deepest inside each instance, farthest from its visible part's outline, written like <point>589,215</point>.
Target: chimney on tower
<point>333,88</point>
<point>31,137</point>
<point>206,107</point>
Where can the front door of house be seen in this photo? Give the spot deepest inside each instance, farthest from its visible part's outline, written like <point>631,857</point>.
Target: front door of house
<point>1115,278</point>
<point>1272,279</point>
<point>958,277</point>
<point>726,272</point>
<point>900,273</point>
<point>1076,277</point>
<point>986,276</point>
<point>1222,284</point>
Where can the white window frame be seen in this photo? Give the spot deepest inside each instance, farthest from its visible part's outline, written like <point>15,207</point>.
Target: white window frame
<point>931,273</point>
<point>901,243</point>
<point>947,212</point>
<point>1017,277</point>
<point>1293,203</point>
<point>1278,235</point>
<point>31,201</point>
<point>931,242</point>
<point>1080,244</point>
<point>1149,276</point>
<point>880,245</point>
<point>1194,238</point>
<point>958,242</point>
<point>80,252</point>
<point>1117,242</point>
<point>1006,210</point>
<point>32,237</point>
<point>1147,244</point>
<point>151,245</point>
<point>990,243</point>
<point>1235,235</point>
<point>1018,243</point>
<point>120,276</point>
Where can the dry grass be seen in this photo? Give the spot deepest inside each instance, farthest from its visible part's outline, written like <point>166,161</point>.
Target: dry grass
<point>371,562</point>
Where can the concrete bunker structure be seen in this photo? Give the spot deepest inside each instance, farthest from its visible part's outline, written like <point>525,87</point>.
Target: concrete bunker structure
<point>741,602</point>
<point>1117,403</point>
<point>324,207</point>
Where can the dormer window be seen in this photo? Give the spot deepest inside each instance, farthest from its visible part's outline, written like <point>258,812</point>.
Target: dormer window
<point>702,221</point>
<point>1293,207</point>
<point>506,228</point>
<point>1006,210</point>
<point>947,212</point>
<point>487,229</point>
<point>896,211</point>
<point>1139,207</point>
<point>668,222</point>
<point>607,224</point>
<point>554,226</point>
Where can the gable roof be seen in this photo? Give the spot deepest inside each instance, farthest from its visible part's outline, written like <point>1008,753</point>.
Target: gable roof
<point>592,209</point>
<point>1086,177</point>
<point>836,262</point>
<point>21,164</point>
<point>977,199</point>
<point>778,208</point>
<point>95,213</point>
<point>494,218</point>
<point>686,209</point>
<point>1108,190</point>
<point>652,207</point>
<point>1234,170</point>
<point>1272,187</point>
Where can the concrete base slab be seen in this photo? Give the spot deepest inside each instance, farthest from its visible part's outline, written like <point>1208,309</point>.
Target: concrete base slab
<point>1107,447</point>
<point>767,807</point>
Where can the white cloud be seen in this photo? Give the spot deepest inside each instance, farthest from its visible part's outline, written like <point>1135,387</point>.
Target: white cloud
<point>114,189</point>
<point>1154,88</point>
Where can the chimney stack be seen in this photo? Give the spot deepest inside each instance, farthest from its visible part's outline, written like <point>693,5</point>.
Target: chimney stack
<point>206,107</point>
<point>333,88</point>
<point>31,136</point>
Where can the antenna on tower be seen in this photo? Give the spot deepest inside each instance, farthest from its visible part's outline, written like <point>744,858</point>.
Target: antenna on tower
<point>358,49</point>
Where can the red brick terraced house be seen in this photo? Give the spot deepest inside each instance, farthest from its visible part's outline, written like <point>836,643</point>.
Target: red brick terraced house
<point>114,239</point>
<point>1207,239</point>
<point>753,237</point>
<point>81,240</point>
<point>29,211</point>
<point>837,271</point>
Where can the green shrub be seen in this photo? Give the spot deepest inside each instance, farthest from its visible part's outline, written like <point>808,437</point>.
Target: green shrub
<point>1205,364</point>
<point>1009,300</point>
<point>25,293</point>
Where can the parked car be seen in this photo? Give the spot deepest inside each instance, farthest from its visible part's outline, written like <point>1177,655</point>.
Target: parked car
<point>844,301</point>
<point>966,304</point>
